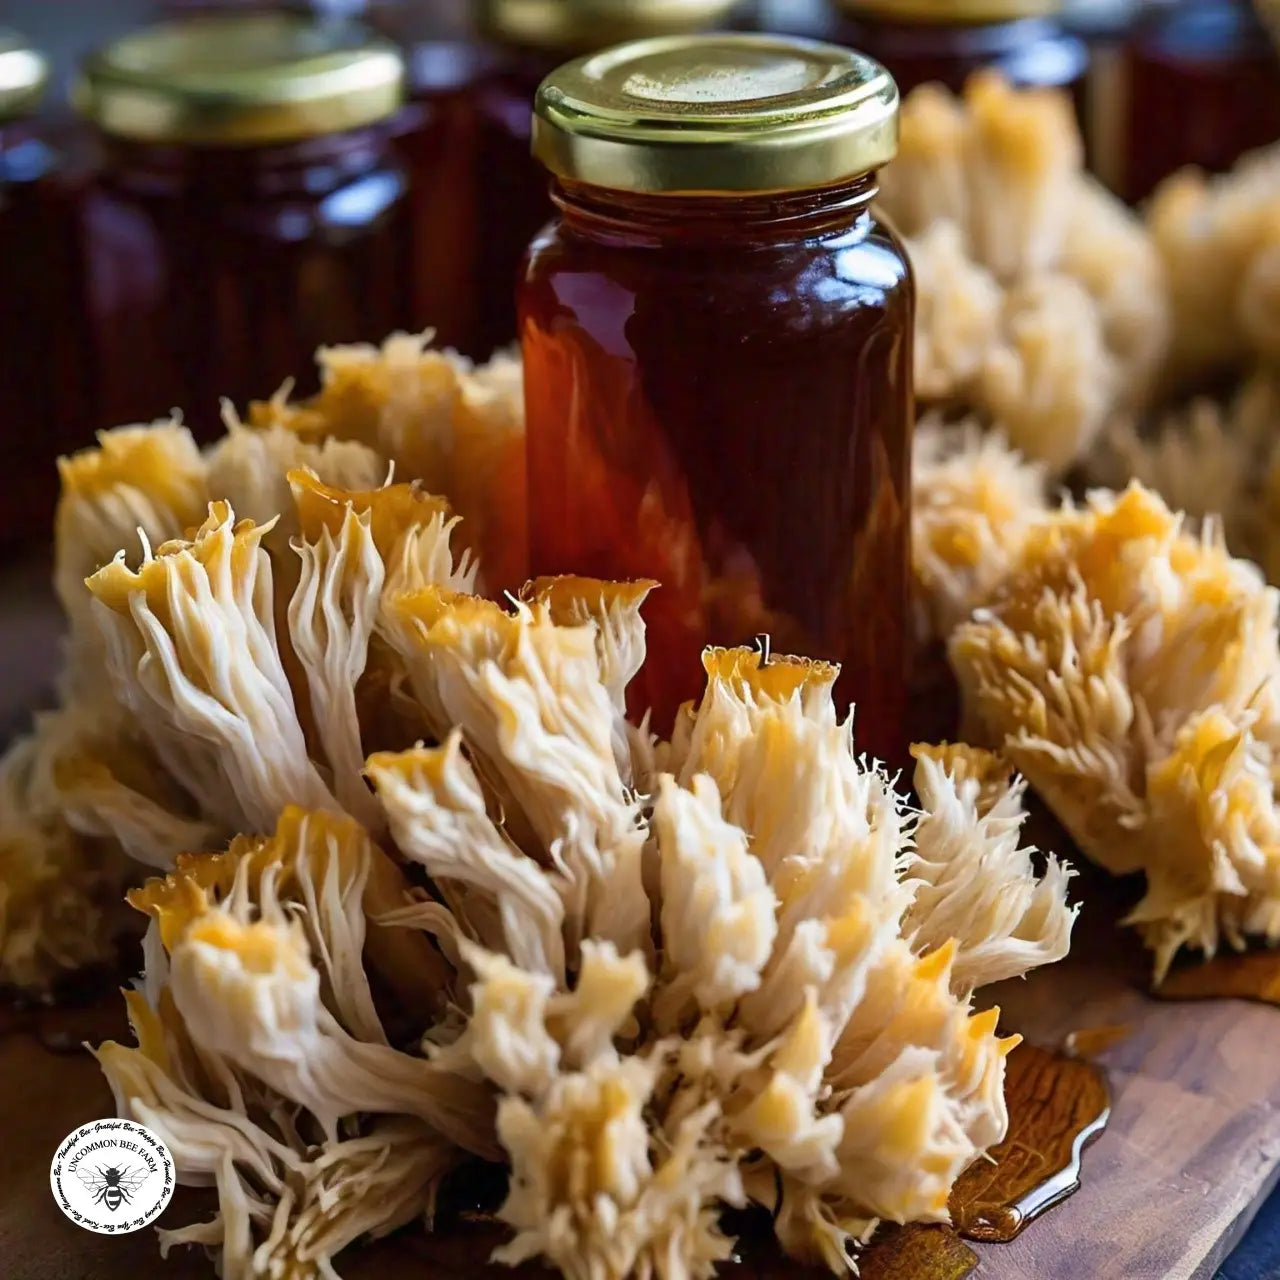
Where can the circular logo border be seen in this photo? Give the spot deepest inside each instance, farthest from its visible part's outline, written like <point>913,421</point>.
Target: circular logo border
<point>131,1138</point>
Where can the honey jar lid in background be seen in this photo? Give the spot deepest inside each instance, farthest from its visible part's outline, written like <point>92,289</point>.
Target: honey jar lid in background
<point>24,75</point>
<point>240,79</point>
<point>590,24</point>
<point>717,114</point>
<point>951,12</point>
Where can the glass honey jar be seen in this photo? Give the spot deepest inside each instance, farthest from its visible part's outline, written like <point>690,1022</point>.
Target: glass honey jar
<point>717,338</point>
<point>1202,87</point>
<point>248,208</point>
<point>41,409</point>
<point>528,39</point>
<point>947,40</point>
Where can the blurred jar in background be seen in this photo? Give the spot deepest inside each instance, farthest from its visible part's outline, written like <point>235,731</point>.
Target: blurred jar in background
<point>1104,26</point>
<point>436,137</point>
<point>530,38</point>
<point>415,21</point>
<point>320,8</point>
<point>249,208</point>
<point>947,40</point>
<point>809,18</point>
<point>41,367</point>
<point>1202,87</point>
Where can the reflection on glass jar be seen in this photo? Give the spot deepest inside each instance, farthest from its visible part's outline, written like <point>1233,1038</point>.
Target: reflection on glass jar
<point>1203,87</point>
<point>249,208</point>
<point>718,385</point>
<point>41,410</point>
<point>947,40</point>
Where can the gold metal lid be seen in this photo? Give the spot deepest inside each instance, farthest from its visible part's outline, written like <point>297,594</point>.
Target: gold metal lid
<point>717,114</point>
<point>24,73</point>
<point>583,25</point>
<point>952,12</point>
<point>241,80</point>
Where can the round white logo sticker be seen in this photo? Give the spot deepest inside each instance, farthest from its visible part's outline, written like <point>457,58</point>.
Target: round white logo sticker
<point>112,1176</point>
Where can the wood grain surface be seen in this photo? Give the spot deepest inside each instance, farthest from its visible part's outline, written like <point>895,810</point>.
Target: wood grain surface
<point>1192,1148</point>
<point>1193,1143</point>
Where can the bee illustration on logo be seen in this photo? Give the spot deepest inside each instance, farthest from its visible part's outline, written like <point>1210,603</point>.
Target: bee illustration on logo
<point>112,1186</point>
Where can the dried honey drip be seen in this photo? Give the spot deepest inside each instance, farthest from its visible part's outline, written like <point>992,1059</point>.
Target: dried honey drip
<point>1254,975</point>
<point>467,1234</point>
<point>460,1248</point>
<point>1057,1105</point>
<point>1090,1042</point>
<point>912,1252</point>
<point>917,1253</point>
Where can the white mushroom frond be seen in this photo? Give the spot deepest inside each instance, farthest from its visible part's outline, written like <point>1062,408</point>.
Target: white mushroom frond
<point>974,501</point>
<point>1043,307</point>
<point>192,653</point>
<point>975,882</point>
<point>1131,671</point>
<point>139,487</point>
<point>1219,239</point>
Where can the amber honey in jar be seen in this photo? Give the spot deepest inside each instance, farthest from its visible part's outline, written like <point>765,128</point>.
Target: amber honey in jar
<point>717,338</point>
<point>1203,87</point>
<point>40,365</point>
<point>249,208</point>
<point>947,40</point>
<point>528,39</point>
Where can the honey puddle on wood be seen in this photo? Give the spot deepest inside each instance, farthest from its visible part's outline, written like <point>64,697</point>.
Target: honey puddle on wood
<point>1057,1105</point>
<point>1251,975</point>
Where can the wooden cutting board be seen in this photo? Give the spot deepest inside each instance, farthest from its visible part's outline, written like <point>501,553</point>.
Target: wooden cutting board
<point>1192,1149</point>
<point>1193,1145</point>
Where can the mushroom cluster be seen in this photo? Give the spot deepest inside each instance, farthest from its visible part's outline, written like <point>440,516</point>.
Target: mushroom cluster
<point>103,783</point>
<point>1219,238</point>
<point>421,892</point>
<point>1130,668</point>
<point>1215,455</point>
<point>653,979</point>
<point>1042,306</point>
